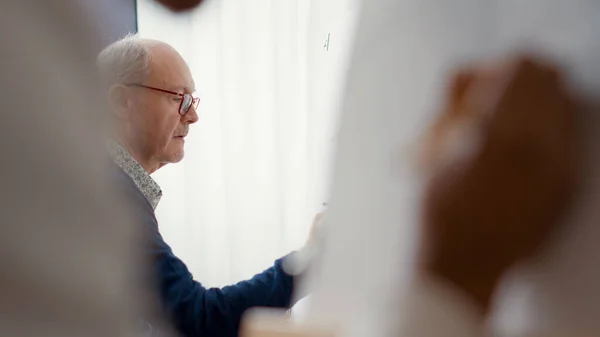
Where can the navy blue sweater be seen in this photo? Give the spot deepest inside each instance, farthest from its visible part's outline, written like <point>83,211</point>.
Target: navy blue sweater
<point>193,309</point>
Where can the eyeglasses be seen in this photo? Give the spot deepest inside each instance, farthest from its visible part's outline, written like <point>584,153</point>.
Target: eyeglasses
<point>187,100</point>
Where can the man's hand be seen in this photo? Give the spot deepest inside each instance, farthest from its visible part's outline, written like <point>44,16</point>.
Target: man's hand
<point>494,197</point>
<point>314,228</point>
<point>297,263</point>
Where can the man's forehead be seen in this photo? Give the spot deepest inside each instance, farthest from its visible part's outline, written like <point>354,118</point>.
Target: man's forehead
<point>171,81</point>
<point>187,88</point>
<point>168,68</point>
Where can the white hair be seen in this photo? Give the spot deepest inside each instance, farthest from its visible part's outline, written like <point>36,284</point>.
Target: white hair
<point>126,61</point>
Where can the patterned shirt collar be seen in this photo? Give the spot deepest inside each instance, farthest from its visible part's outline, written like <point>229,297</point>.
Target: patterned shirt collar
<point>144,182</point>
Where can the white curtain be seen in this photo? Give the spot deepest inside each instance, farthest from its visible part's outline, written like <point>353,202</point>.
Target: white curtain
<point>254,174</point>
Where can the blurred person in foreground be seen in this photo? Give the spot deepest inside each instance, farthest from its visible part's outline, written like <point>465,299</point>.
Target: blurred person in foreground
<point>67,253</point>
<point>151,95</point>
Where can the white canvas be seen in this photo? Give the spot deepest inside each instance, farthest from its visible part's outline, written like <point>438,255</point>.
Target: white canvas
<point>404,52</point>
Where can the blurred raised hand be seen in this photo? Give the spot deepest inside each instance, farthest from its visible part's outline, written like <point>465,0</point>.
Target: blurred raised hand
<point>501,162</point>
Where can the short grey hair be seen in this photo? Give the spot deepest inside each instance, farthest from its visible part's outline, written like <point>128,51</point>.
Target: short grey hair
<point>126,61</point>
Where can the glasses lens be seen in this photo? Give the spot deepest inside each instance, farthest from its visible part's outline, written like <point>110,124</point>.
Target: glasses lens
<point>186,104</point>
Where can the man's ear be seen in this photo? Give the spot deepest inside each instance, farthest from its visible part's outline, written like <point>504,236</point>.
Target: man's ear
<point>120,101</point>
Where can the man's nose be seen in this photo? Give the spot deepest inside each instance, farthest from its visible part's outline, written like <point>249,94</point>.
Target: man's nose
<point>191,116</point>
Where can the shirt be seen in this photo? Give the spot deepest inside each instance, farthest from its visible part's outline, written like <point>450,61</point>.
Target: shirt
<point>142,179</point>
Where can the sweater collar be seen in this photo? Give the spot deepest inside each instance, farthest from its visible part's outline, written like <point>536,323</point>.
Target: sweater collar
<point>144,182</point>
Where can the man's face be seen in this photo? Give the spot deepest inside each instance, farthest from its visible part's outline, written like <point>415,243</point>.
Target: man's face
<point>157,129</point>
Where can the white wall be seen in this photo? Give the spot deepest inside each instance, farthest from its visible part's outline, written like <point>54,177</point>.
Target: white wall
<point>330,37</point>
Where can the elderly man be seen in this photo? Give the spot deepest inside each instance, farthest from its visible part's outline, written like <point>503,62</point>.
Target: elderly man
<point>150,91</point>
